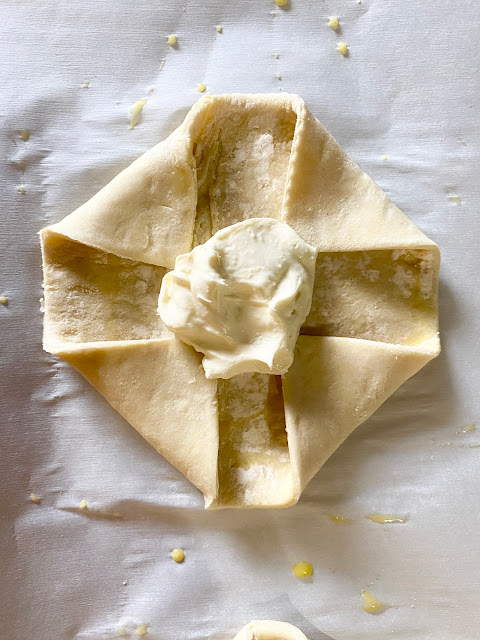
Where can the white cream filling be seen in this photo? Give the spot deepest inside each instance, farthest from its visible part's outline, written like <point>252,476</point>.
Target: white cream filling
<point>241,297</point>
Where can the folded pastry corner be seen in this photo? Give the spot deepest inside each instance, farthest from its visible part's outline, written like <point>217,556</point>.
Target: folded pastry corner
<point>253,440</point>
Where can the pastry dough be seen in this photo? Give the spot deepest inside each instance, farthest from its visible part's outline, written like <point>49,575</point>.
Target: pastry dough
<point>269,630</point>
<point>254,440</point>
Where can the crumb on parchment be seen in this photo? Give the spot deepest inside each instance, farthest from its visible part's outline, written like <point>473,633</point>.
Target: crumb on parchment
<point>178,555</point>
<point>141,630</point>
<point>136,112</point>
<point>333,22</point>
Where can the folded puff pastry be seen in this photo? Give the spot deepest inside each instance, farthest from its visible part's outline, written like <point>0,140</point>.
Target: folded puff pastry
<point>254,440</point>
<point>269,630</point>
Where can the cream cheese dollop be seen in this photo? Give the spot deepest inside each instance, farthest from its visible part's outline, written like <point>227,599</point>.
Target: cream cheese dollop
<point>241,297</point>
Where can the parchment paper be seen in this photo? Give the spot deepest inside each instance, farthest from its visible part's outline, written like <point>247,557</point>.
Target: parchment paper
<point>409,90</point>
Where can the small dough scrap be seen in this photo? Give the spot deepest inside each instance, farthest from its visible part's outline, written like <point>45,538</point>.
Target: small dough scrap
<point>269,630</point>
<point>136,112</point>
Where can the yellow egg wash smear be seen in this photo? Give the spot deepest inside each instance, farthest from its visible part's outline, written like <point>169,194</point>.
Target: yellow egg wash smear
<point>386,518</point>
<point>302,569</point>
<point>371,604</point>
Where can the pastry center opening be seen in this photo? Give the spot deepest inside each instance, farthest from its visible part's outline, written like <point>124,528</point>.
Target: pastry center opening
<point>253,459</point>
<point>242,157</point>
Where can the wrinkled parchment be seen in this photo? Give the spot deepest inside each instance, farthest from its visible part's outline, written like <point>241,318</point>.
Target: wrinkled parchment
<point>408,91</point>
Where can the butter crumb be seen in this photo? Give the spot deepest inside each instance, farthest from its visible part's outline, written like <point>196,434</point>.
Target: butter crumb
<point>34,498</point>
<point>276,56</point>
<point>172,39</point>
<point>3,299</point>
<point>455,199</point>
<point>302,569</point>
<point>141,630</point>
<point>468,428</point>
<point>86,84</point>
<point>279,77</point>
<point>333,22</point>
<point>201,87</point>
<point>83,505</point>
<point>24,134</point>
<point>384,157</point>
<point>342,48</point>
<point>178,555</point>
<point>121,632</point>
<point>21,189</point>
<point>151,89</point>
<point>371,604</point>
<point>135,112</point>
<point>281,3</point>
<point>219,28</point>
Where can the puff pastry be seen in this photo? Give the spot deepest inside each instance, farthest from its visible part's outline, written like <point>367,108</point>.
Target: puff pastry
<point>254,440</point>
<point>269,630</point>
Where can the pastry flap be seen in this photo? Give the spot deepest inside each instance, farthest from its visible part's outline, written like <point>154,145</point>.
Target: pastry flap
<point>334,385</point>
<point>332,204</point>
<point>269,630</point>
<point>159,387</point>
<point>147,212</point>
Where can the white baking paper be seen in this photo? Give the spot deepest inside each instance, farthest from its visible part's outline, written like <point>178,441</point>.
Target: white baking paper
<point>408,90</point>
